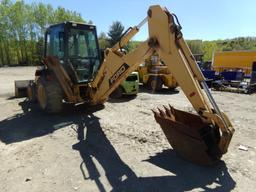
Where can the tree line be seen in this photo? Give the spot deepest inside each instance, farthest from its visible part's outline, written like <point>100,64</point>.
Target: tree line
<point>22,28</point>
<point>207,48</point>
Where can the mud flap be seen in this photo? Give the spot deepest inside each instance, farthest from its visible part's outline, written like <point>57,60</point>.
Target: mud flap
<point>189,136</point>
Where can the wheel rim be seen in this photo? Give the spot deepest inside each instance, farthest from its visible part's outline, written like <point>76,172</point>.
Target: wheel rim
<point>42,96</point>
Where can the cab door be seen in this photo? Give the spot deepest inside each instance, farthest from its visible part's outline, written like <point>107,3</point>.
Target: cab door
<point>54,42</point>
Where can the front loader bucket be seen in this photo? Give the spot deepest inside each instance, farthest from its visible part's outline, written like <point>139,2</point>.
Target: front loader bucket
<point>189,136</point>
<point>21,88</point>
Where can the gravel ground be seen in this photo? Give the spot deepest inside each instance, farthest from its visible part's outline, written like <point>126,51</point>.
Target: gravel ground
<point>124,148</point>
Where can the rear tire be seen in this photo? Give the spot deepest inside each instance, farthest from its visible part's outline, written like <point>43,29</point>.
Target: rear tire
<point>155,83</point>
<point>172,89</point>
<point>50,96</point>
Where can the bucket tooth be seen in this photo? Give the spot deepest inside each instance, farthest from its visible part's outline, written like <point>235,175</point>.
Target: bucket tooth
<point>155,113</point>
<point>168,112</point>
<point>161,113</point>
<point>172,109</point>
<point>189,136</point>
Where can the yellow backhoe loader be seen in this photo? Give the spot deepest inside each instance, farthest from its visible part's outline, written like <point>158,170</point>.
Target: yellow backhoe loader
<point>153,73</point>
<point>74,71</point>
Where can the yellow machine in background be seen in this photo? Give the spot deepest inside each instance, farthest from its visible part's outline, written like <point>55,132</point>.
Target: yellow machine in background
<point>154,74</point>
<point>234,60</point>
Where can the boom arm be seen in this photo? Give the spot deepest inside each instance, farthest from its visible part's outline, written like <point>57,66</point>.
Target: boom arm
<point>166,39</point>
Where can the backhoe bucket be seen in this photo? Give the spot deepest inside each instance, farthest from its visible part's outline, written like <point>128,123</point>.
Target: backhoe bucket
<point>189,136</point>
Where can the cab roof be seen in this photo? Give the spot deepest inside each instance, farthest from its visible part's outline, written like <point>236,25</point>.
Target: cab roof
<point>71,23</point>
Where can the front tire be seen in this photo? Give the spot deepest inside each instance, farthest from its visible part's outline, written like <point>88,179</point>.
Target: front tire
<point>117,93</point>
<point>50,96</point>
<point>155,83</point>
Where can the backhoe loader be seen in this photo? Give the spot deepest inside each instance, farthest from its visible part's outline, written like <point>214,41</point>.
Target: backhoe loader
<point>75,71</point>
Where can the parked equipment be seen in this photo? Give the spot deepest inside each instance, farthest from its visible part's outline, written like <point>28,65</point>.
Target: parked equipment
<point>234,60</point>
<point>236,75</point>
<point>130,86</point>
<point>154,74</point>
<point>74,72</point>
<point>232,73</point>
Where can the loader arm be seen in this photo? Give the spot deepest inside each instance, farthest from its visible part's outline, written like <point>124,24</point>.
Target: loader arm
<point>117,66</point>
<point>166,39</point>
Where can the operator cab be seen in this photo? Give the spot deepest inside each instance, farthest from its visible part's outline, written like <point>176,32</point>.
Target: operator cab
<point>76,46</point>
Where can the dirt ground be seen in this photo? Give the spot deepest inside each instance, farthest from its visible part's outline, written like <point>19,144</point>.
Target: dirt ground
<point>123,149</point>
